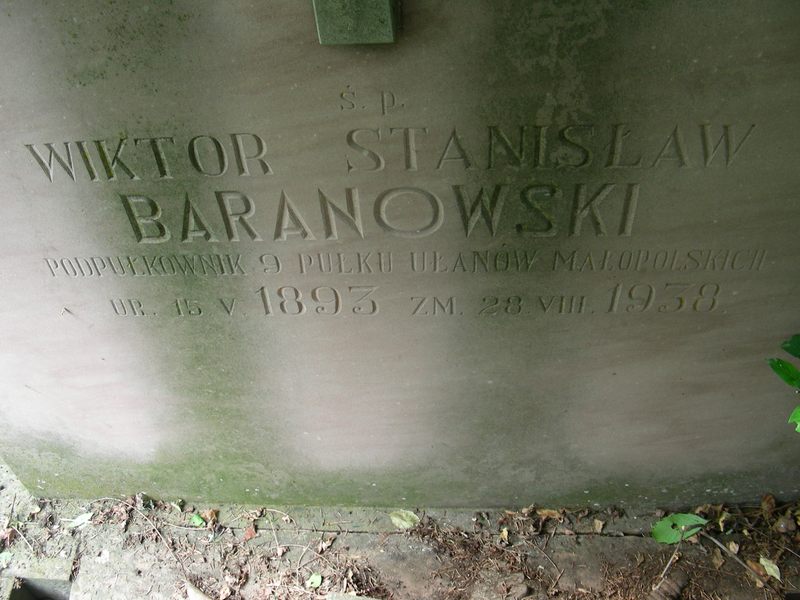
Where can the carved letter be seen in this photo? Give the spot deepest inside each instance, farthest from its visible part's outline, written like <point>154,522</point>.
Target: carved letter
<point>242,158</point>
<point>194,225</point>
<point>158,154</point>
<point>529,196</point>
<point>352,215</point>
<point>374,156</point>
<point>47,167</point>
<point>461,154</point>
<point>150,219</point>
<point>110,164</point>
<point>194,157</point>
<point>582,208</point>
<point>381,213</point>
<point>731,147</point>
<point>287,212</point>
<point>480,207</point>
<point>231,218</point>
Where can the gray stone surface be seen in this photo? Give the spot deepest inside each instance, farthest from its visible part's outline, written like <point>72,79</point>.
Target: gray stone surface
<point>355,21</point>
<point>208,316</point>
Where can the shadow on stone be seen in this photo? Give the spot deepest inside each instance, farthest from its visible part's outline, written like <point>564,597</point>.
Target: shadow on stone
<point>41,589</point>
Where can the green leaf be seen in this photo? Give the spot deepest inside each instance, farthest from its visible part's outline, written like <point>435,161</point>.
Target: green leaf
<point>786,371</point>
<point>770,567</point>
<point>674,528</point>
<point>404,519</point>
<point>795,417</point>
<point>197,521</point>
<point>792,346</point>
<point>314,581</point>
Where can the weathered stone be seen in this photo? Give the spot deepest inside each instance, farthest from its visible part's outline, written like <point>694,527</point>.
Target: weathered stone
<point>355,21</point>
<point>533,252</point>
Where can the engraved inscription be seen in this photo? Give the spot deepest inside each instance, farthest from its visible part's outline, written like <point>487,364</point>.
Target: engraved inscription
<point>583,183</point>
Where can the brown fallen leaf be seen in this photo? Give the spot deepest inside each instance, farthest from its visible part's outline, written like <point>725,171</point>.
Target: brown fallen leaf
<point>716,558</point>
<point>758,568</point>
<point>767,505</point>
<point>211,515</point>
<point>8,536</point>
<point>325,543</point>
<point>785,523</point>
<point>598,525</point>
<point>549,513</point>
<point>703,509</point>
<point>250,533</point>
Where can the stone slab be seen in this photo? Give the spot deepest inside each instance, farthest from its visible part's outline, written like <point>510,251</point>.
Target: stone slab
<point>355,21</point>
<point>528,253</point>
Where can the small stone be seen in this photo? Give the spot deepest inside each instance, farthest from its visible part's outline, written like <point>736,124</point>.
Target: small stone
<point>785,524</point>
<point>518,591</point>
<point>518,577</point>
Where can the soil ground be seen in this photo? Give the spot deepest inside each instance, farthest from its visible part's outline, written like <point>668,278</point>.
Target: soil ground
<point>138,547</point>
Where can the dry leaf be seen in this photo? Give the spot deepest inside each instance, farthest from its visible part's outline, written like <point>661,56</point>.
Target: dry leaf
<point>716,558</point>
<point>80,521</point>
<point>210,517</point>
<point>250,533</point>
<point>8,536</point>
<point>767,505</point>
<point>325,543</point>
<point>785,524</point>
<point>760,570</point>
<point>504,535</point>
<point>722,518</point>
<point>192,593</point>
<point>280,551</point>
<point>703,509</point>
<point>770,567</point>
<point>733,547</point>
<point>549,513</point>
<point>598,525</point>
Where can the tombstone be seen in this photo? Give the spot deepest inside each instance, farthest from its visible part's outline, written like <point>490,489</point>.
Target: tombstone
<point>527,252</point>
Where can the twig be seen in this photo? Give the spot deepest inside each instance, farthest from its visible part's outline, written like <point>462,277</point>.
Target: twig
<point>275,537</point>
<point>302,554</point>
<point>280,512</point>
<point>184,527</point>
<point>7,524</point>
<point>669,564</point>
